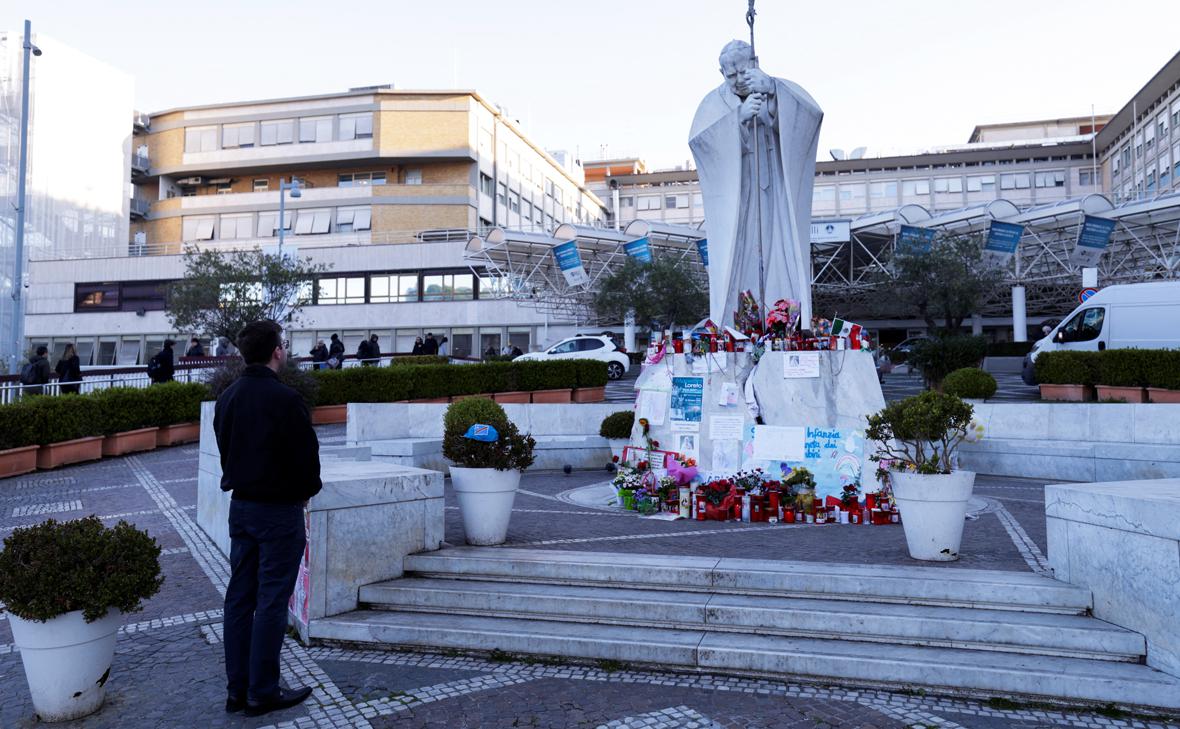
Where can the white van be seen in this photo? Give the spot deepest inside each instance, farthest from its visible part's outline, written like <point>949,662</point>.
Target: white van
<point>1143,315</point>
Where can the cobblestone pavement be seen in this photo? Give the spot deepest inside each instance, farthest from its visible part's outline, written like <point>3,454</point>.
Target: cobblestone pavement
<point>168,670</point>
<point>1009,387</point>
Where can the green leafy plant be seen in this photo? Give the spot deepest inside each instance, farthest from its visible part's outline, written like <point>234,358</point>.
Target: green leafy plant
<point>617,425</point>
<point>969,382</point>
<point>938,357</point>
<point>122,409</point>
<point>800,478</point>
<point>54,568</point>
<point>64,417</point>
<point>660,293</point>
<point>1162,369</point>
<point>920,433</point>
<point>950,281</point>
<point>17,428</point>
<point>1122,367</point>
<point>591,372</point>
<point>511,451</point>
<point>1065,368</point>
<point>172,403</point>
<point>419,359</point>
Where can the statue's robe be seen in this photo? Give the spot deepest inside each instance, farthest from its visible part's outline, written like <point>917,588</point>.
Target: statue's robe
<point>724,152</point>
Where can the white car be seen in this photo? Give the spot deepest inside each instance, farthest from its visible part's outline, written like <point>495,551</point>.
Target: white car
<point>585,346</point>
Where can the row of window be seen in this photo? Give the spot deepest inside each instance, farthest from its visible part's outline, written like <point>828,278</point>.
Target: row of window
<point>305,130</point>
<point>1145,139</point>
<point>948,185</point>
<point>265,224</point>
<point>679,201</point>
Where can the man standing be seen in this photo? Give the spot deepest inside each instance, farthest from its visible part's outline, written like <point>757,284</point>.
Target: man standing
<point>430,346</point>
<point>35,374</point>
<point>270,462</point>
<point>162,367</point>
<point>194,348</point>
<point>336,353</point>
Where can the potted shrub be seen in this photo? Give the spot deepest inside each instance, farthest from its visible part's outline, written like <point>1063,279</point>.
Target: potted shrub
<point>66,587</point>
<point>916,442</point>
<point>1119,374</point>
<point>616,428</point>
<point>18,441</point>
<point>176,410</point>
<point>125,416</point>
<point>591,380</point>
<point>549,382</point>
<point>486,473</point>
<point>67,427</point>
<point>1162,372</point>
<point>970,383</point>
<point>1067,375</point>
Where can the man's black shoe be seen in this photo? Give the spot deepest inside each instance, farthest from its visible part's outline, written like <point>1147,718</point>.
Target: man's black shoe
<point>285,700</point>
<point>234,704</point>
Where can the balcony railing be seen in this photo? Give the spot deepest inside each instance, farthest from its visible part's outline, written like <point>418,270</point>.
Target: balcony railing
<point>139,207</point>
<point>139,165</point>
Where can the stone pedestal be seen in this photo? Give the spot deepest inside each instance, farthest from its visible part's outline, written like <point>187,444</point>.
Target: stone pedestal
<point>1121,539</point>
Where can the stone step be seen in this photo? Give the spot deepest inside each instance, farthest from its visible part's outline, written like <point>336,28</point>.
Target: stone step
<point>946,586</point>
<point>995,630</point>
<point>1012,676</point>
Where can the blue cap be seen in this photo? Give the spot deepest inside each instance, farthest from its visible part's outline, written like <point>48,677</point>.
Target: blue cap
<point>483,433</point>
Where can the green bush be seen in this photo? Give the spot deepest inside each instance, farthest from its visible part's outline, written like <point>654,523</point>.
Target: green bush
<point>419,359</point>
<point>1162,369</point>
<point>556,375</point>
<point>172,403</point>
<point>122,409</point>
<point>55,568</point>
<point>470,411</point>
<point>1066,368</point>
<point>591,372</point>
<point>17,428</point>
<point>617,425</point>
<point>60,418</point>
<point>921,432</point>
<point>1008,349</point>
<point>1122,367</point>
<point>511,451</point>
<point>936,358</point>
<point>969,382</point>
<point>302,381</point>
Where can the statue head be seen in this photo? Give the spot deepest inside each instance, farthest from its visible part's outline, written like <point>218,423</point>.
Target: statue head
<point>736,56</point>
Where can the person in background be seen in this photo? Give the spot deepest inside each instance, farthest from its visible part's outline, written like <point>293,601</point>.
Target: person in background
<point>516,352</point>
<point>490,352</point>
<point>224,348</point>
<point>430,345</point>
<point>271,466</point>
<point>35,374</point>
<point>374,352</point>
<point>419,347</point>
<point>194,349</point>
<point>69,370</point>
<point>319,355</point>
<point>444,346</point>
<point>162,366</point>
<point>336,353</point>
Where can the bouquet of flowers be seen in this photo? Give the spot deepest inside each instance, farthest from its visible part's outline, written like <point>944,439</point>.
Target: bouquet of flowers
<point>718,491</point>
<point>850,497</point>
<point>747,318</point>
<point>783,317</point>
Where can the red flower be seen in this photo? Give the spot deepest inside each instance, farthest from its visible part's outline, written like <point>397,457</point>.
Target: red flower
<point>614,459</point>
<point>655,444</point>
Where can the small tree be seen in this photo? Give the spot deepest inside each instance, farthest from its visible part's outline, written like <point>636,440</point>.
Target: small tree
<point>951,280</point>
<point>662,293</point>
<point>222,291</point>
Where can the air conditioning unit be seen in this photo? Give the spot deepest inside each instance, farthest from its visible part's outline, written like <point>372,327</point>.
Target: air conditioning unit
<point>190,181</point>
<point>218,180</point>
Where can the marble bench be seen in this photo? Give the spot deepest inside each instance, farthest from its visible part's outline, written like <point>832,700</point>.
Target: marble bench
<point>551,452</point>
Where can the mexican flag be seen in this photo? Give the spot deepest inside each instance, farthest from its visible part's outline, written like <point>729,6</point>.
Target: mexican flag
<point>847,329</point>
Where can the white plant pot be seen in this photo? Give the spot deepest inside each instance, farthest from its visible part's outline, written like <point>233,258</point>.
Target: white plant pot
<point>933,508</point>
<point>617,445</point>
<point>485,502</point>
<point>67,662</point>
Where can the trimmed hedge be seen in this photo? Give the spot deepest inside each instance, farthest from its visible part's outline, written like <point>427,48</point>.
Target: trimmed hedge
<point>617,425</point>
<point>969,382</point>
<point>1163,369</point>
<point>1121,367</point>
<point>57,418</point>
<point>1066,368</point>
<point>420,359</point>
<point>418,382</point>
<point>1113,367</point>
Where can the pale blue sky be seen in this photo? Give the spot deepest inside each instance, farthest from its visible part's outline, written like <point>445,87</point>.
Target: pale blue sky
<point>896,75</point>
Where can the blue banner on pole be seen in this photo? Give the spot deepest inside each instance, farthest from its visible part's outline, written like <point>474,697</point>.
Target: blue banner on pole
<point>703,251</point>
<point>569,260</point>
<point>912,240</point>
<point>639,249</point>
<point>1093,238</point>
<point>1003,238</point>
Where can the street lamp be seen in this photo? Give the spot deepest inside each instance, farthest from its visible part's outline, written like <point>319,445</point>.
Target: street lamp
<point>293,186</point>
<point>18,314</point>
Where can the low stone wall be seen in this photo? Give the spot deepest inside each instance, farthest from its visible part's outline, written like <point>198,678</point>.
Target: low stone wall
<point>1122,541</point>
<point>1076,441</point>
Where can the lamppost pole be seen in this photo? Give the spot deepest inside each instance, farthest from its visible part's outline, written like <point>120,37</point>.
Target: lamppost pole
<point>18,313</point>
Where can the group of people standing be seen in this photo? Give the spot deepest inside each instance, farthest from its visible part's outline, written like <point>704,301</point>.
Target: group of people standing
<point>331,357</point>
<point>430,345</point>
<point>36,372</point>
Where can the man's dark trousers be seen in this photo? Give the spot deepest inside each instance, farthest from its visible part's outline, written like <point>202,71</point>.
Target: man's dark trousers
<point>266,545</point>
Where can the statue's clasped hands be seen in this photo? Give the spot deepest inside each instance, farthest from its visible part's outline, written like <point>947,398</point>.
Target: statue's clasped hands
<point>758,86</point>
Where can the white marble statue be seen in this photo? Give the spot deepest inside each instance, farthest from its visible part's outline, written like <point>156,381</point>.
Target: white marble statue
<point>722,142</point>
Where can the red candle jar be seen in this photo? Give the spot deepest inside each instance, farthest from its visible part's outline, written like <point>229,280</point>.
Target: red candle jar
<point>712,344</point>
<point>729,344</point>
<point>776,507</point>
<point>678,346</point>
<point>701,508</point>
<point>789,517</point>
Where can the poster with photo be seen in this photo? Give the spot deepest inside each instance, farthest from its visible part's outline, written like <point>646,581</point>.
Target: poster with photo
<point>687,400</point>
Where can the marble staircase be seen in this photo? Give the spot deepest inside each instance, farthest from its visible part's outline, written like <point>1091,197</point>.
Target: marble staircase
<point>1011,634</point>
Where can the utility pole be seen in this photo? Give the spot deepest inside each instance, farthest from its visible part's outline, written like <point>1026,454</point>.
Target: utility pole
<point>17,335</point>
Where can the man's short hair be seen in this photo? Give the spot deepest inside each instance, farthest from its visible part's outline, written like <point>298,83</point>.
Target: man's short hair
<point>737,50</point>
<point>258,339</point>
<point>42,350</point>
<point>195,340</point>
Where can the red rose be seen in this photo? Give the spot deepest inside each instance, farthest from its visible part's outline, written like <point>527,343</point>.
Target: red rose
<point>614,459</point>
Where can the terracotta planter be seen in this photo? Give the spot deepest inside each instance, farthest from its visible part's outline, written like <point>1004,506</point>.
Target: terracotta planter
<point>70,451</point>
<point>1067,393</point>
<point>170,435</point>
<point>1159,394</point>
<point>434,400</point>
<point>551,396</point>
<point>513,397</point>
<point>16,461</point>
<point>481,396</point>
<point>329,414</point>
<point>1126,394</point>
<point>589,394</point>
<point>132,441</point>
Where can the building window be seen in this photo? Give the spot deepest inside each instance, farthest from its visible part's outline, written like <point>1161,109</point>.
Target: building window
<point>626,201</point>
<point>200,139</point>
<point>313,222</point>
<point>315,129</point>
<point>1161,123</point>
<point>883,190</point>
<point>393,288</point>
<point>649,202</point>
<point>261,185</point>
<point>514,201</point>
<point>1126,156</point>
<point>96,297</point>
<point>1176,114</point>
<point>1151,180</point>
<point>1139,145</point>
<point>672,202</point>
<point>281,131</point>
<point>237,226</point>
<point>341,290</point>
<point>1014,181</point>
<point>948,185</point>
<point>486,186</point>
<point>1087,176</point>
<point>1050,179</point>
<point>414,176</point>
<point>823,193</point>
<point>912,188</point>
<point>850,192</point>
<point>353,219</point>
<point>237,135</point>
<point>223,188</point>
<point>360,179</point>
<point>197,228</point>
<point>494,287</point>
<point>356,126</point>
<point>448,287</point>
<point>501,193</point>
<point>126,296</point>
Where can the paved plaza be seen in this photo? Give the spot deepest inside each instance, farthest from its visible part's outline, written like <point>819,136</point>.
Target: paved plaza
<point>168,668</point>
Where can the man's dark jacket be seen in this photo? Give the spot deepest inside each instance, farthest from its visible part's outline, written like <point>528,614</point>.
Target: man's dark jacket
<point>269,451</point>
